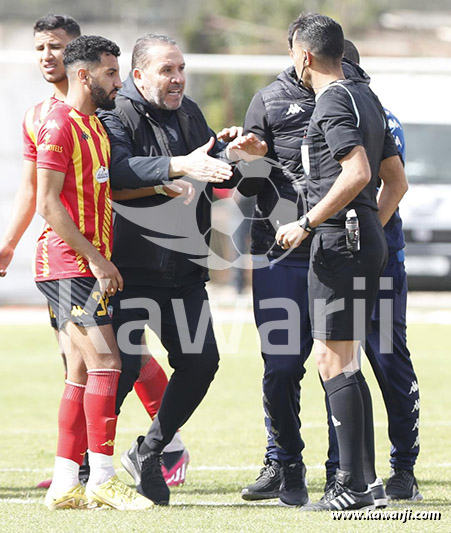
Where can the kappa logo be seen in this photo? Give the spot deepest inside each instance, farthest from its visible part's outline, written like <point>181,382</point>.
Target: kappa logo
<point>294,109</point>
<point>413,388</point>
<point>52,124</point>
<point>416,406</point>
<point>416,425</point>
<point>78,311</point>
<point>85,136</point>
<point>335,422</point>
<point>108,443</point>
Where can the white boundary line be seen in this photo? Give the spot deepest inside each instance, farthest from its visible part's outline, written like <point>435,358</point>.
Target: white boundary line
<point>206,468</point>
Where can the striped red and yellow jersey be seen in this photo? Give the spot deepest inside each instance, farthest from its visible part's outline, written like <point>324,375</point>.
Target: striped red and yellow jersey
<point>32,122</point>
<point>77,145</point>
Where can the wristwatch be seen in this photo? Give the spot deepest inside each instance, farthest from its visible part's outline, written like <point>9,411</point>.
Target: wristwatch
<point>304,223</point>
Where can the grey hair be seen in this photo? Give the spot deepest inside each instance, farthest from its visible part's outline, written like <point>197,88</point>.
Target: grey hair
<point>140,56</point>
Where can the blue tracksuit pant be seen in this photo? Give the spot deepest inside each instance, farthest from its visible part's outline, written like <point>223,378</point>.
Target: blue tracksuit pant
<point>282,318</point>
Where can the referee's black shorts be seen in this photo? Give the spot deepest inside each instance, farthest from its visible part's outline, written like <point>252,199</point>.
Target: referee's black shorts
<point>76,300</point>
<point>343,285</point>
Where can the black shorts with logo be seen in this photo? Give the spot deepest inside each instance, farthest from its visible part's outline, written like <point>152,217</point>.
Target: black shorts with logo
<point>76,300</point>
<point>343,285</point>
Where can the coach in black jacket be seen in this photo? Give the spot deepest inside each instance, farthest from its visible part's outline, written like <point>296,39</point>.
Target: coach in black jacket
<point>161,244</point>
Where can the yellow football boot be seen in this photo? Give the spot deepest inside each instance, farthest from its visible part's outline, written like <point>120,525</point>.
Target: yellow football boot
<point>75,498</point>
<point>116,495</point>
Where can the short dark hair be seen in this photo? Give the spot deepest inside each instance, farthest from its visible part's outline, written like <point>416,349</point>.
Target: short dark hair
<point>89,49</point>
<point>140,57</point>
<point>323,35</point>
<point>54,22</point>
<point>350,51</point>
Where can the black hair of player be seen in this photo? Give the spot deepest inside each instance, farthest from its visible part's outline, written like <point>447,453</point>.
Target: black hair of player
<point>89,49</point>
<point>53,21</point>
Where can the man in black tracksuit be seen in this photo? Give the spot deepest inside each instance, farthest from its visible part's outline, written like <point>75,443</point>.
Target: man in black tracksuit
<point>280,114</point>
<point>161,245</point>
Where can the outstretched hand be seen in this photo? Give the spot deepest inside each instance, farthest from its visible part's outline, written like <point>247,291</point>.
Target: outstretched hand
<point>228,134</point>
<point>199,166</point>
<point>247,147</point>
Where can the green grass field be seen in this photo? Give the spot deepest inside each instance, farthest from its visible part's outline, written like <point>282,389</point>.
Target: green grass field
<point>225,438</point>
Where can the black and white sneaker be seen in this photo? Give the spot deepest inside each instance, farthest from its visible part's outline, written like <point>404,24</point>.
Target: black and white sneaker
<point>293,490</point>
<point>145,469</point>
<point>267,484</point>
<point>380,498</point>
<point>342,498</point>
<point>402,485</point>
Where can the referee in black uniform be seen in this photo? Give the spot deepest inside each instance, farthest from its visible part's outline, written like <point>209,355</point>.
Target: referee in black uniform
<point>346,147</point>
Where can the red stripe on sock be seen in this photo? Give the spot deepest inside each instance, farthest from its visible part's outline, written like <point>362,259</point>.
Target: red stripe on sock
<point>100,404</point>
<point>150,386</point>
<point>72,438</point>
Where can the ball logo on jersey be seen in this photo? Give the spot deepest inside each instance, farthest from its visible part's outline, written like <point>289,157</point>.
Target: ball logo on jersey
<point>102,175</point>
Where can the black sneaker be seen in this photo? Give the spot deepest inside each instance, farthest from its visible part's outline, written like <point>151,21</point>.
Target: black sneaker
<point>83,473</point>
<point>329,485</point>
<point>379,495</point>
<point>267,484</point>
<point>145,469</point>
<point>342,498</point>
<point>293,490</point>
<point>402,485</point>
<point>329,490</point>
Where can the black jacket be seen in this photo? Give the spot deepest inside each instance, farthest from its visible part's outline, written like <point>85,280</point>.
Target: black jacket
<point>140,155</point>
<point>280,114</point>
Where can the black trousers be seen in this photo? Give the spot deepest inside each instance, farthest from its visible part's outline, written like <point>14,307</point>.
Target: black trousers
<point>181,317</point>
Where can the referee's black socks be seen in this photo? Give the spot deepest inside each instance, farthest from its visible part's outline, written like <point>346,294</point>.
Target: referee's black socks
<point>347,408</point>
<point>369,456</point>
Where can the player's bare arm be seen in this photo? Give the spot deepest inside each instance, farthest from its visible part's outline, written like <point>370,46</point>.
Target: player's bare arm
<point>50,207</point>
<point>24,208</point>
<point>394,186</point>
<point>178,188</point>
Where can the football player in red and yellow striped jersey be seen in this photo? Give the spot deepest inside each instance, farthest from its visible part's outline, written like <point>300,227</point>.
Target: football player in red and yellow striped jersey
<point>75,144</point>
<point>51,35</point>
<point>75,274</point>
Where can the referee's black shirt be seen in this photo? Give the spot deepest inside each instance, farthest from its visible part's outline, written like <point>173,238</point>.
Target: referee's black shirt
<point>347,114</point>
